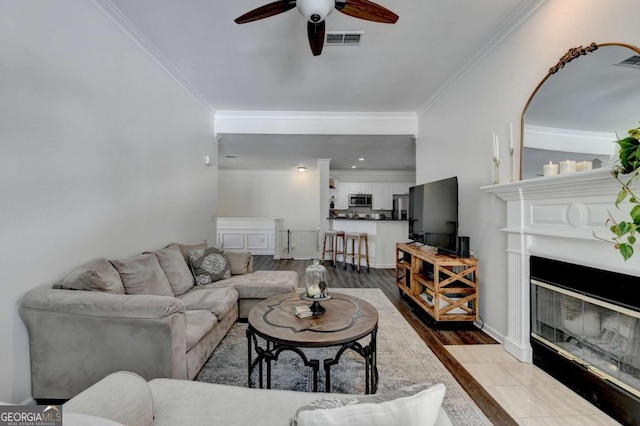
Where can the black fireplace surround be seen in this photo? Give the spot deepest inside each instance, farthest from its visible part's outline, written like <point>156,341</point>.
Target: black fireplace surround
<point>573,338</point>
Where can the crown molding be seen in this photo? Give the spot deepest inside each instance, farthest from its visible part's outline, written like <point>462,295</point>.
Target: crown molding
<point>317,122</point>
<point>513,22</point>
<point>126,26</point>
<point>316,115</point>
<point>309,171</point>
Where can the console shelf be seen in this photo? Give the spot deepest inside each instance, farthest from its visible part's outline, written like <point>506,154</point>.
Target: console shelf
<point>445,286</point>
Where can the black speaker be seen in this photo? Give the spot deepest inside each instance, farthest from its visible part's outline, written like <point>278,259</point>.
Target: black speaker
<point>463,247</point>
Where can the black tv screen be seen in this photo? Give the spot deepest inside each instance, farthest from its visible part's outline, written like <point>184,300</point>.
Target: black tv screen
<point>433,214</point>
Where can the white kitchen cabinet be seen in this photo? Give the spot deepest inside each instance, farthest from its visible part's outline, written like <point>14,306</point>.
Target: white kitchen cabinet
<point>342,199</point>
<point>382,194</point>
<point>400,188</point>
<point>387,196</point>
<point>365,188</point>
<point>359,188</point>
<point>377,199</point>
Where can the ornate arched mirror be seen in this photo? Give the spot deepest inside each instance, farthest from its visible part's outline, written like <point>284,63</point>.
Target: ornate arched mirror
<point>591,94</point>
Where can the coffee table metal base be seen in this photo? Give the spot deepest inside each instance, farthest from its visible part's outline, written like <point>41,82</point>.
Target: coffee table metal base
<point>272,350</point>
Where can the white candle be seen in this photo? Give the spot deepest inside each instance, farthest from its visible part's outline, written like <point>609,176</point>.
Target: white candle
<point>510,135</point>
<point>568,166</point>
<point>497,148</point>
<point>584,165</point>
<point>550,169</point>
<point>494,144</point>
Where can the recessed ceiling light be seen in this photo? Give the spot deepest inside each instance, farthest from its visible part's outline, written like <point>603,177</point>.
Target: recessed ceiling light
<point>302,169</point>
<point>354,167</point>
<point>361,159</point>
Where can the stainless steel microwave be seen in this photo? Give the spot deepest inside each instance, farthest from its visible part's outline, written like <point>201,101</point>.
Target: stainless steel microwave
<point>359,200</point>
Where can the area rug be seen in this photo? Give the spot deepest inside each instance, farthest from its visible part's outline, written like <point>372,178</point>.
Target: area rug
<point>403,359</point>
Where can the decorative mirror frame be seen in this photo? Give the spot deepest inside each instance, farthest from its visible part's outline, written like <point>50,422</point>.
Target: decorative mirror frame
<point>571,54</point>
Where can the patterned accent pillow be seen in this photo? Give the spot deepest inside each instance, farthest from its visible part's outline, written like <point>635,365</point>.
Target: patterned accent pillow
<point>209,265</point>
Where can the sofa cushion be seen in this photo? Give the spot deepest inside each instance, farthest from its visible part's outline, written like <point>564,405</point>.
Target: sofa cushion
<point>176,269</point>
<point>199,323</point>
<point>218,301</point>
<point>209,265</point>
<point>96,275</point>
<point>239,261</point>
<point>260,284</point>
<point>414,409</point>
<point>186,248</point>
<point>197,403</point>
<point>77,419</point>
<point>122,397</point>
<point>142,274</point>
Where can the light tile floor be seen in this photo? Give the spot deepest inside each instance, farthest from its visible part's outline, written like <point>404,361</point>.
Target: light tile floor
<point>528,394</point>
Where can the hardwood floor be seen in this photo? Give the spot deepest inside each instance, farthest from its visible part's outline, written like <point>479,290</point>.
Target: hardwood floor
<point>435,338</point>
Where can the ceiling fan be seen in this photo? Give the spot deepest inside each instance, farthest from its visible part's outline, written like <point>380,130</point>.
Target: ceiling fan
<point>317,10</point>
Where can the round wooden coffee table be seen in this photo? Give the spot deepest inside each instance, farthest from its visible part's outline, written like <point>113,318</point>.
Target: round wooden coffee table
<point>346,320</point>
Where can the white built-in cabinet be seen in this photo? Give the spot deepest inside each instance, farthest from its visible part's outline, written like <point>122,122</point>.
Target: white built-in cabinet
<point>342,200</point>
<point>359,188</point>
<point>376,195</point>
<point>381,193</point>
<point>400,188</point>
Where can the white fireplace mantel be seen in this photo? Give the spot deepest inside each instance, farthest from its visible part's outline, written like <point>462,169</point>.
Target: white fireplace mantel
<point>556,217</point>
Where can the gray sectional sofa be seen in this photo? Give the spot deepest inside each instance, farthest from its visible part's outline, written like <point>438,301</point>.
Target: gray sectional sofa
<point>142,314</point>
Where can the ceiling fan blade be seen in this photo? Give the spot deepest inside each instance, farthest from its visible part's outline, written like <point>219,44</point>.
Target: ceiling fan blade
<point>266,11</point>
<point>369,11</point>
<point>316,36</point>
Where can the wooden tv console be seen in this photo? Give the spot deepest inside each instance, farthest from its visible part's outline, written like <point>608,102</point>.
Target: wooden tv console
<point>445,286</point>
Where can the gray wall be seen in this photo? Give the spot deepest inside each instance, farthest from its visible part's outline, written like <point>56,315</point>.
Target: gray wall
<point>455,133</point>
<point>102,155</point>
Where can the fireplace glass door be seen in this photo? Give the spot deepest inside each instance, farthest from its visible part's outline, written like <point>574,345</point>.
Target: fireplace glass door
<point>603,337</point>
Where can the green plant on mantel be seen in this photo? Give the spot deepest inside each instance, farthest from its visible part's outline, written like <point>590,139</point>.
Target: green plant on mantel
<point>626,170</point>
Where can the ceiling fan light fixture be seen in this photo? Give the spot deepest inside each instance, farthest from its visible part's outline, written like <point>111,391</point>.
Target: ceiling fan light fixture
<point>315,10</point>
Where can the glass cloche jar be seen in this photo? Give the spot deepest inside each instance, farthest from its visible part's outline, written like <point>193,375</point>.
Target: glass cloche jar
<point>315,281</point>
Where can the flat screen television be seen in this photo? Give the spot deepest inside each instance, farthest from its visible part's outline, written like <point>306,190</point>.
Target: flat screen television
<point>433,214</point>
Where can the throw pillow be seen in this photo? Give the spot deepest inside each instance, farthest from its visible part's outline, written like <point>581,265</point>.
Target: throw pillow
<point>96,275</point>
<point>239,261</point>
<point>209,265</point>
<point>142,274</point>
<point>186,248</point>
<point>412,405</point>
<point>176,269</point>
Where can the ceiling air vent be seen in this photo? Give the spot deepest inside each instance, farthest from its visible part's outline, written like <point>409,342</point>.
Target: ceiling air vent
<point>633,62</point>
<point>343,38</point>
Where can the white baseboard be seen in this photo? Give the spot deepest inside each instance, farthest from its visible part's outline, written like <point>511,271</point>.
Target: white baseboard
<point>492,332</point>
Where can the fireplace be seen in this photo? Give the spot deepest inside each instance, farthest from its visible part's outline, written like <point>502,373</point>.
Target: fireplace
<point>585,331</point>
<point>570,293</point>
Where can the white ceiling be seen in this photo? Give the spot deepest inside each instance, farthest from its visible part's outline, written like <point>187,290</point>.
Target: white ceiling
<point>267,65</point>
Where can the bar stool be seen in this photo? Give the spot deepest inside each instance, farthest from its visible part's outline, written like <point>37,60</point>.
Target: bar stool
<point>333,238</point>
<point>356,238</point>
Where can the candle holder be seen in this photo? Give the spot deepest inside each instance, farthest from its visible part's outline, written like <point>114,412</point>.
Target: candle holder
<point>496,162</point>
<point>511,158</point>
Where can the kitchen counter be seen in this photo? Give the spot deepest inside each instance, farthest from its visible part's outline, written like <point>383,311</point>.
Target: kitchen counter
<point>383,236</point>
